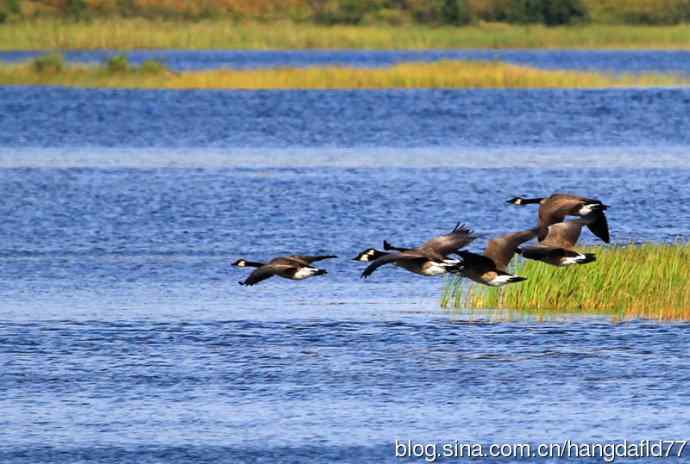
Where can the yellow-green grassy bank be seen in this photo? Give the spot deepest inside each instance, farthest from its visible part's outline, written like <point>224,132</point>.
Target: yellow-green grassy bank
<point>444,74</point>
<point>634,281</point>
<point>129,34</point>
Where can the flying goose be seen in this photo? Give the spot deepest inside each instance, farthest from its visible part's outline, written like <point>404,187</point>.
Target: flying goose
<point>491,267</point>
<point>555,208</point>
<point>429,259</point>
<point>557,248</point>
<point>288,267</point>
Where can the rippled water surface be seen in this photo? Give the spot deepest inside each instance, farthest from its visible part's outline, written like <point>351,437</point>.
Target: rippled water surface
<point>124,336</point>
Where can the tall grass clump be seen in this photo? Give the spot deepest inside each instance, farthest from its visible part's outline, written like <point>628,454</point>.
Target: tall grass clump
<point>549,12</point>
<point>118,64</point>
<point>52,63</point>
<point>646,281</point>
<point>153,67</point>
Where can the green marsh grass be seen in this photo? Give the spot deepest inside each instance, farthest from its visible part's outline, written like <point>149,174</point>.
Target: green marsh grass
<point>133,33</point>
<point>52,63</point>
<point>118,64</point>
<point>443,74</point>
<point>633,281</point>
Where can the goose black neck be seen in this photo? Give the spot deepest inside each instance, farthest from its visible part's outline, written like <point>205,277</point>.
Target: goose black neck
<point>253,264</point>
<point>530,201</point>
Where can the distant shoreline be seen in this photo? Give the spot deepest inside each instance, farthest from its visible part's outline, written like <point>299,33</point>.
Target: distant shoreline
<point>118,73</point>
<point>133,34</point>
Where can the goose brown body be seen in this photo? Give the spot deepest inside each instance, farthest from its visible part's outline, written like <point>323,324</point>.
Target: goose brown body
<point>491,267</point>
<point>558,248</point>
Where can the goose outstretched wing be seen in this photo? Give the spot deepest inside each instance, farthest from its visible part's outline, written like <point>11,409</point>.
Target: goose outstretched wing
<point>442,246</point>
<point>502,249</point>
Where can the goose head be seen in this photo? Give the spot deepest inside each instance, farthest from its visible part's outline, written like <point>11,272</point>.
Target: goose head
<point>516,201</point>
<point>370,254</point>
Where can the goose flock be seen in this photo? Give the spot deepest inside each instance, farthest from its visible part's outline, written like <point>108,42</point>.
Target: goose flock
<point>556,240</point>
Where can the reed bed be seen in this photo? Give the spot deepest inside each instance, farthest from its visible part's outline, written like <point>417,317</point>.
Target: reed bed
<point>442,74</point>
<point>633,281</point>
<point>129,34</point>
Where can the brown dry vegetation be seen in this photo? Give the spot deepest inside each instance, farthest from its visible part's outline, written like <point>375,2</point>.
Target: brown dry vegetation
<point>393,12</point>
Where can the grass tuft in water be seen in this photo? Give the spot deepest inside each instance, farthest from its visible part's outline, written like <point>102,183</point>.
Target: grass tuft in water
<point>442,74</point>
<point>153,67</point>
<point>52,63</point>
<point>646,281</point>
<point>118,64</point>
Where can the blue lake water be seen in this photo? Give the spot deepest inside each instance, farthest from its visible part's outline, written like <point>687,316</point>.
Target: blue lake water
<point>124,336</point>
<point>617,61</point>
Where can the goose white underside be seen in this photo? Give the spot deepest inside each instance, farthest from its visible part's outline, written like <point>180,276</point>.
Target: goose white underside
<point>436,269</point>
<point>305,273</point>
<point>501,280</point>
<point>570,260</point>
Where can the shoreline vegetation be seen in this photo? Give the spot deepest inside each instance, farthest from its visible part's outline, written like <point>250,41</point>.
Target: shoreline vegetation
<point>139,33</point>
<point>634,281</point>
<point>117,72</point>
